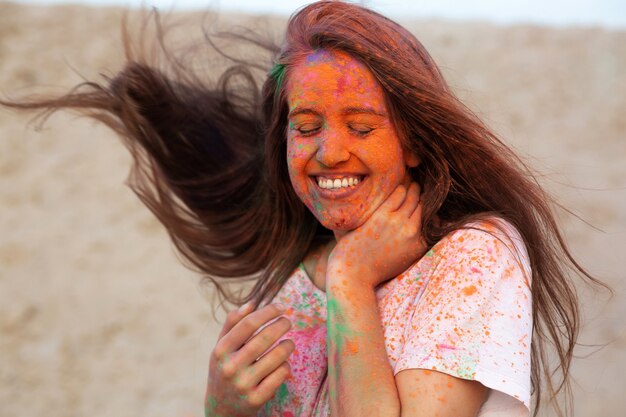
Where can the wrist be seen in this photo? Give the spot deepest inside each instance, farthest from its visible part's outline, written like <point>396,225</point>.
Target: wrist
<point>343,272</point>
<point>341,278</point>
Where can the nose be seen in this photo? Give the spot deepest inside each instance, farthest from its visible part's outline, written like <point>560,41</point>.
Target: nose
<point>332,149</point>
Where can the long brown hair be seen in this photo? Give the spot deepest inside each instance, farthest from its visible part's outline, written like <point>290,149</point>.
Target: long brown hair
<point>210,163</point>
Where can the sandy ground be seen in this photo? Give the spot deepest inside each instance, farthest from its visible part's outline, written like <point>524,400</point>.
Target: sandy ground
<point>98,317</point>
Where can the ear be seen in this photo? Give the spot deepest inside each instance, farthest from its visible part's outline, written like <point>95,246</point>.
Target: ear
<point>411,160</point>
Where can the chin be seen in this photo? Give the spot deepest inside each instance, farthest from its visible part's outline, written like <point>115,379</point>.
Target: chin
<point>340,223</point>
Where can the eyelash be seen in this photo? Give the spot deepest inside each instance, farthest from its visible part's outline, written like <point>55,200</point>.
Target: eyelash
<point>307,132</point>
<point>312,132</point>
<point>362,132</point>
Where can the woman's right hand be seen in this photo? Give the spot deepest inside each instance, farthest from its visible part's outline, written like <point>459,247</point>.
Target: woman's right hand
<point>243,374</point>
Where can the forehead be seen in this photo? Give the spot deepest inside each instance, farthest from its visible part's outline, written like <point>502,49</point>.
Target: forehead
<point>325,77</point>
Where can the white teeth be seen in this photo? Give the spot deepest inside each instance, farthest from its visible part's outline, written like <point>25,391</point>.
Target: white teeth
<point>337,183</point>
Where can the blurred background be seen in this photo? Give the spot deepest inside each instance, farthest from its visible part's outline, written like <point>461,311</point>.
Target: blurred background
<point>97,315</point>
<point>607,13</point>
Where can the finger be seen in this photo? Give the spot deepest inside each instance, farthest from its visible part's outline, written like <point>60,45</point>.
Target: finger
<point>395,199</point>
<point>247,326</point>
<point>411,201</point>
<point>266,390</point>
<point>270,361</point>
<point>262,341</point>
<point>415,219</point>
<point>419,188</point>
<point>234,317</point>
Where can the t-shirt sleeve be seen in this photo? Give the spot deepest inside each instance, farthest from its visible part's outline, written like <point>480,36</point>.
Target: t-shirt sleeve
<point>474,318</point>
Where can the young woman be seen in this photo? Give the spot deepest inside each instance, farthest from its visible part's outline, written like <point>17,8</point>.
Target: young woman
<point>405,262</point>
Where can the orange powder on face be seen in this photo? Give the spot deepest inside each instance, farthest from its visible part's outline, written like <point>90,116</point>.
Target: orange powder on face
<point>338,127</point>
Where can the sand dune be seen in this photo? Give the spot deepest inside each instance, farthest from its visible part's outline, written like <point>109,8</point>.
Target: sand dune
<point>98,317</point>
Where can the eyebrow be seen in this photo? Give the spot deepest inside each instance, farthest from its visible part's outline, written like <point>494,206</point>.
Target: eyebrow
<point>346,111</point>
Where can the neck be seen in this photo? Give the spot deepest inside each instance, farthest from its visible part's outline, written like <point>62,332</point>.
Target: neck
<point>339,234</point>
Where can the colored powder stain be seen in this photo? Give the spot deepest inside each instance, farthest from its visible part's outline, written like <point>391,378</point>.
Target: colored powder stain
<point>336,331</point>
<point>282,393</point>
<point>445,347</point>
<point>336,334</point>
<point>319,56</point>
<point>318,206</point>
<point>305,300</point>
<point>282,400</point>
<point>352,347</point>
<point>318,298</point>
<point>278,74</point>
<point>210,407</point>
<point>467,368</point>
<point>342,83</point>
<point>469,290</point>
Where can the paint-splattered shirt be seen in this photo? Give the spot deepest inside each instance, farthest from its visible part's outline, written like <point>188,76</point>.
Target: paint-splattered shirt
<point>463,309</point>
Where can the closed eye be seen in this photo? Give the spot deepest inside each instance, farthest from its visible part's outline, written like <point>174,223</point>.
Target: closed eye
<point>307,130</point>
<point>360,130</point>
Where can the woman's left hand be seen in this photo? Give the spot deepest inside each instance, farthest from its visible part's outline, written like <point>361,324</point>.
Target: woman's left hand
<point>385,245</point>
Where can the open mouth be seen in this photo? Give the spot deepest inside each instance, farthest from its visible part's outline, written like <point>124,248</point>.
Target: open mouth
<point>338,183</point>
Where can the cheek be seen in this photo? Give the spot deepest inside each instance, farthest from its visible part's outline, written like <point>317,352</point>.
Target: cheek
<point>385,158</point>
<point>298,155</point>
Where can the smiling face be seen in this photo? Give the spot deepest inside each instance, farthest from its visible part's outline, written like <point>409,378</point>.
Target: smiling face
<point>343,153</point>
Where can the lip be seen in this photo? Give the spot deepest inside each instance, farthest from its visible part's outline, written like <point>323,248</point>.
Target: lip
<point>334,194</point>
<point>337,174</point>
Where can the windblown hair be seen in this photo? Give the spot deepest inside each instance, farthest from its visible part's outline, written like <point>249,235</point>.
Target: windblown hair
<point>210,162</point>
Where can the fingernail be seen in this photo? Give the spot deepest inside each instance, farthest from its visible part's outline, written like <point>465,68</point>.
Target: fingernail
<point>281,306</point>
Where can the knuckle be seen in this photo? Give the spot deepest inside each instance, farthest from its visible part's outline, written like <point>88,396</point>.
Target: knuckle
<point>263,340</point>
<point>249,324</point>
<point>258,344</point>
<point>228,369</point>
<point>271,333</point>
<point>240,384</point>
<point>268,333</point>
<point>219,353</point>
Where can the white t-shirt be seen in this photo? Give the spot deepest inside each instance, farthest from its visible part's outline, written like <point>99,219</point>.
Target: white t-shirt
<point>463,309</point>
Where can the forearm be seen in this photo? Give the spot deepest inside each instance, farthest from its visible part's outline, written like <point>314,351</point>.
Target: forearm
<point>361,380</point>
